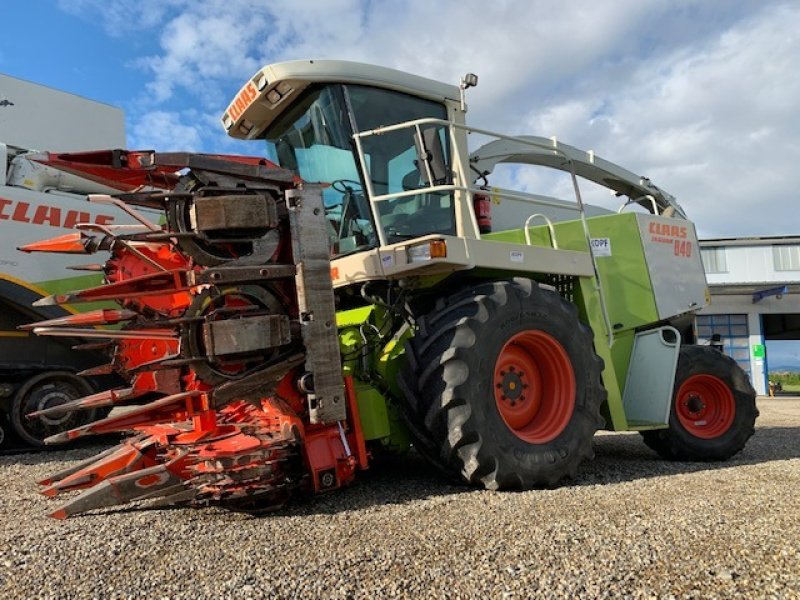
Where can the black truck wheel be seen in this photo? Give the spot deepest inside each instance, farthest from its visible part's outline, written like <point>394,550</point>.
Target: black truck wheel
<point>46,390</point>
<point>713,408</point>
<point>503,382</point>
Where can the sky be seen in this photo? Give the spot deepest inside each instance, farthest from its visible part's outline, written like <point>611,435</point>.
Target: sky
<point>701,96</point>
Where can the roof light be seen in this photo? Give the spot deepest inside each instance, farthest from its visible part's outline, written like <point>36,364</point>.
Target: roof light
<point>261,81</point>
<point>469,80</point>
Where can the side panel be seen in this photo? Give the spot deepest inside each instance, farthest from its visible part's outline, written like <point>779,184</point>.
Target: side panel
<point>621,265</point>
<point>588,302</point>
<point>649,266</point>
<point>673,259</point>
<point>651,378</point>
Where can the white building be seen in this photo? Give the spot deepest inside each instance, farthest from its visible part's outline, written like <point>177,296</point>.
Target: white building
<point>755,297</point>
<point>36,117</point>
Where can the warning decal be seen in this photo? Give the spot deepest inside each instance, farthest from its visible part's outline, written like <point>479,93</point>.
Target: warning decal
<point>600,246</point>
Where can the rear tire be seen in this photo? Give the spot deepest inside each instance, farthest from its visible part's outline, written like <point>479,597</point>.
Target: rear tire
<point>713,409</point>
<point>503,382</point>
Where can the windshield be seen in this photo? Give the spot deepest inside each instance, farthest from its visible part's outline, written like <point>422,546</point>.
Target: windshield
<point>314,139</point>
<point>393,163</point>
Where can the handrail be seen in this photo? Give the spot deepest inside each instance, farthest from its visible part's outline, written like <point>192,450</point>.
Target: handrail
<point>552,146</point>
<point>553,242</point>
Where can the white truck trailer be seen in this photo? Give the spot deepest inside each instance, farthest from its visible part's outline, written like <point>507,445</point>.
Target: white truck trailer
<point>41,196</point>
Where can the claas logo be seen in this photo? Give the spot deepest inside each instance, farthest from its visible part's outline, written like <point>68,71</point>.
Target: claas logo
<point>242,101</point>
<point>24,212</point>
<point>675,231</point>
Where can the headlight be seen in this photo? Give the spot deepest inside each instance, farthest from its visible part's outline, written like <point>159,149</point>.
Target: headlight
<point>427,251</point>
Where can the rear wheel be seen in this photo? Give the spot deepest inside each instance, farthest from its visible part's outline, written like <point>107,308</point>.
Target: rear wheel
<point>503,384</point>
<point>713,408</point>
<point>47,390</point>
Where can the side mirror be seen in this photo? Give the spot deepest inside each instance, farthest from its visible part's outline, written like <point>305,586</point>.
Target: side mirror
<point>431,163</point>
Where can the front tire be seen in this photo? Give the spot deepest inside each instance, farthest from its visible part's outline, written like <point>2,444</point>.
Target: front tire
<point>713,409</point>
<point>504,384</point>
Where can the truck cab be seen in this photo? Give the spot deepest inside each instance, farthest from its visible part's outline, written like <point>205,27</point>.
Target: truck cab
<point>317,118</point>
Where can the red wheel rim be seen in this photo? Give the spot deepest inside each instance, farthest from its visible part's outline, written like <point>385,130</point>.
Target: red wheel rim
<point>534,386</point>
<point>705,406</point>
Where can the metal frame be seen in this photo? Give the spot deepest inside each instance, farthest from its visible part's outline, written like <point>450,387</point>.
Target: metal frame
<point>538,145</point>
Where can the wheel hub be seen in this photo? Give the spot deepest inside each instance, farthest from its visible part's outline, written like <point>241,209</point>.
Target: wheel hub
<point>512,386</point>
<point>51,399</point>
<point>705,406</point>
<point>534,386</point>
<point>695,404</point>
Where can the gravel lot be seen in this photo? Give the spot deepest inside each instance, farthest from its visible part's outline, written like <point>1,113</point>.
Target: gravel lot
<point>631,525</point>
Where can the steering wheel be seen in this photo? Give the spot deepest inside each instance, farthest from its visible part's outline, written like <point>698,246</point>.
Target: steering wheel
<point>345,185</point>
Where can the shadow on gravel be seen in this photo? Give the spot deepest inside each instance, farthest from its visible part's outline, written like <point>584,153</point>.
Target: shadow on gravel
<point>392,481</point>
<point>618,458</point>
<point>624,457</point>
<point>402,480</point>
<point>38,456</point>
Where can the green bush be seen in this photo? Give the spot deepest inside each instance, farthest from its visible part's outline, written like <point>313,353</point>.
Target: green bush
<point>791,378</point>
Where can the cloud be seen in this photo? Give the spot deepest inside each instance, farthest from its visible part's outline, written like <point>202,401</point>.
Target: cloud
<point>122,17</point>
<point>166,131</point>
<point>699,96</point>
<point>711,122</point>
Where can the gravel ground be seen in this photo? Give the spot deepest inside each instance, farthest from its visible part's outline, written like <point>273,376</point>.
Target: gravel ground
<point>631,525</point>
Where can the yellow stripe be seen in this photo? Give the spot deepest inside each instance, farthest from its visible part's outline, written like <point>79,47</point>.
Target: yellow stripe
<point>29,286</point>
<point>23,283</point>
<point>14,334</point>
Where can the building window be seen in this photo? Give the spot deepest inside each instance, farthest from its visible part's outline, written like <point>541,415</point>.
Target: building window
<point>786,258</point>
<point>733,335</point>
<point>714,259</point>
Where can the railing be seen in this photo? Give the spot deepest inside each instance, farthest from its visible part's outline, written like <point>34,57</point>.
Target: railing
<point>462,178</point>
<point>550,227</point>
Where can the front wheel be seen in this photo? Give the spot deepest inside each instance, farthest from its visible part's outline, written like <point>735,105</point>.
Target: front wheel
<point>504,386</point>
<point>713,408</point>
